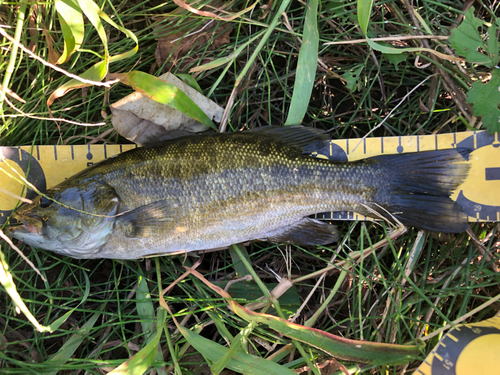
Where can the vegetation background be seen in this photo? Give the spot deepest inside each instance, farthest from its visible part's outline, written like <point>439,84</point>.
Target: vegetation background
<point>267,63</point>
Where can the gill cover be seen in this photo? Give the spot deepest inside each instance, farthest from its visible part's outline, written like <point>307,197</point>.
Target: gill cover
<point>77,221</point>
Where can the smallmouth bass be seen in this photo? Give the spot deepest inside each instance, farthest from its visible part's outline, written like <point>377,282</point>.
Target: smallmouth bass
<point>208,191</point>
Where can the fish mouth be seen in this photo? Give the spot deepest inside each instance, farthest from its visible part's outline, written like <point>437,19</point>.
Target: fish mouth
<point>24,224</point>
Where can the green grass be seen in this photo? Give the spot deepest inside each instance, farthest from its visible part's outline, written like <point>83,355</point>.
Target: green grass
<point>385,296</point>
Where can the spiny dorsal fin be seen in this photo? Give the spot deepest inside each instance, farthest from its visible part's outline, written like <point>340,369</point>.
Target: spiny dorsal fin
<point>304,138</point>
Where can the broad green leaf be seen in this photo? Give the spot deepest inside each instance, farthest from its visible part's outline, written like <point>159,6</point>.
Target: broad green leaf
<point>72,26</point>
<point>306,67</point>
<point>486,101</point>
<point>395,59</point>
<point>239,267</point>
<point>139,363</point>
<point>250,291</point>
<point>70,346</point>
<point>145,308</point>
<point>364,13</point>
<point>466,40</point>
<point>165,93</point>
<point>240,362</point>
<point>352,78</point>
<point>493,50</point>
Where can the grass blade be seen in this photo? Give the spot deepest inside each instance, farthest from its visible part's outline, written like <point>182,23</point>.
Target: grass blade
<point>99,70</point>
<point>8,283</point>
<point>72,26</point>
<point>95,73</point>
<point>57,323</point>
<point>144,358</point>
<point>146,311</point>
<point>306,68</point>
<point>240,361</point>
<point>70,346</point>
<point>91,10</point>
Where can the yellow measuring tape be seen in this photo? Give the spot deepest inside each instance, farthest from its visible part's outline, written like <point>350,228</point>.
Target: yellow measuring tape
<point>479,197</point>
<point>468,349</point>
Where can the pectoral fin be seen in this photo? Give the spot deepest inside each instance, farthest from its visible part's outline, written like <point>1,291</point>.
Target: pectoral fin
<point>306,232</point>
<point>147,220</point>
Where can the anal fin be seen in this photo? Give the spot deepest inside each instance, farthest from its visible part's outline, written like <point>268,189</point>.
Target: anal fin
<point>306,232</point>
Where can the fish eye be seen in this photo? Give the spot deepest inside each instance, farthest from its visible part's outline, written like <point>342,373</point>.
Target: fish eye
<point>45,202</point>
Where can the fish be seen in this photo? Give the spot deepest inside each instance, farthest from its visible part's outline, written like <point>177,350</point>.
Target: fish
<point>209,191</point>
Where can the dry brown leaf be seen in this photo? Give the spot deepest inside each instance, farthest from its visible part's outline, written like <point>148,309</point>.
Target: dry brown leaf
<point>32,29</point>
<point>53,55</point>
<point>177,45</point>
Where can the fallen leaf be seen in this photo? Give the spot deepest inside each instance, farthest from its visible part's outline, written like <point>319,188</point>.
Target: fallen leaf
<point>53,55</point>
<point>176,45</point>
<point>145,121</point>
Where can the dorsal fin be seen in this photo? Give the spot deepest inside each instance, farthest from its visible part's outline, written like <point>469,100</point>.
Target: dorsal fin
<point>301,137</point>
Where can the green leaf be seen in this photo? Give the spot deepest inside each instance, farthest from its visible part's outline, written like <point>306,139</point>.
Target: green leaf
<point>493,44</point>
<point>240,362</point>
<point>486,101</point>
<point>352,79</point>
<point>466,40</point>
<point>188,79</point>
<point>250,291</point>
<point>91,10</point>
<point>70,346</point>
<point>139,363</point>
<point>395,59</point>
<point>339,347</point>
<point>364,13</point>
<point>238,265</point>
<point>306,67</point>
<point>146,312</point>
<point>165,93</point>
<point>99,70</point>
<point>72,26</point>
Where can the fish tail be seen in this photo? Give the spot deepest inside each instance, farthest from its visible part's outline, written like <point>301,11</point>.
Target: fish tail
<point>419,188</point>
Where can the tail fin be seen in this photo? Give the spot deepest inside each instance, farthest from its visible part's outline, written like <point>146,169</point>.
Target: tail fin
<point>420,187</point>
